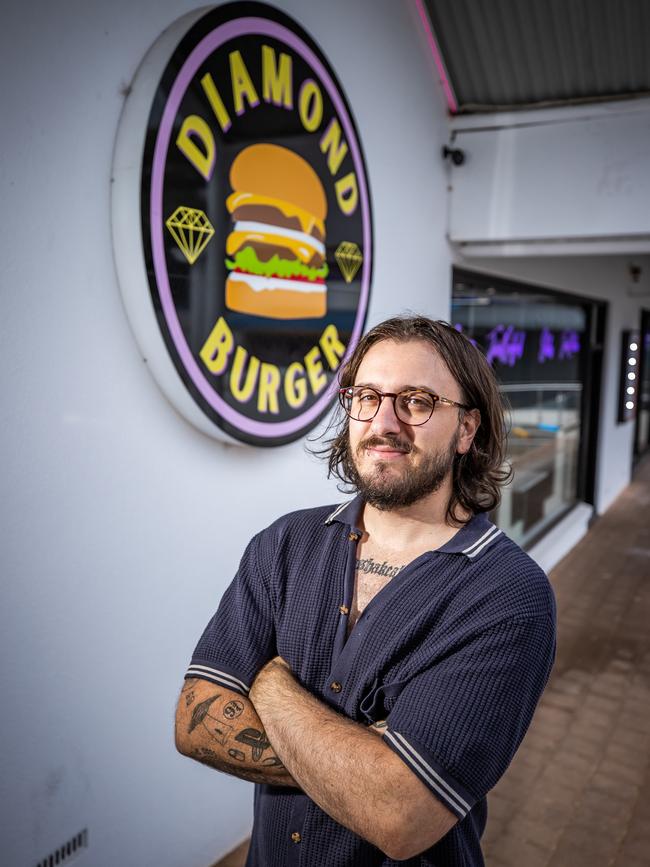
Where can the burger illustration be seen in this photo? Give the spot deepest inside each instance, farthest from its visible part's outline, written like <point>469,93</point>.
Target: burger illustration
<point>275,253</point>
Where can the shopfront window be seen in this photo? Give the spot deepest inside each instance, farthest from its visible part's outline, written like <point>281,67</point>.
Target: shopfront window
<point>537,344</point>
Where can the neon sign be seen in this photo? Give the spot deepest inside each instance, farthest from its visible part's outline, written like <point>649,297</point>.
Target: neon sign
<point>506,344</point>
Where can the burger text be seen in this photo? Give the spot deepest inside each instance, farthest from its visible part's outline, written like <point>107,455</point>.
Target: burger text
<point>249,376</point>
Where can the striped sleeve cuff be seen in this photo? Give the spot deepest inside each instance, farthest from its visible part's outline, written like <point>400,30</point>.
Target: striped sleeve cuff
<point>454,797</point>
<point>217,675</point>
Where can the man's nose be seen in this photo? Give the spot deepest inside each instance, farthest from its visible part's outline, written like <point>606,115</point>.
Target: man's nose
<point>386,421</point>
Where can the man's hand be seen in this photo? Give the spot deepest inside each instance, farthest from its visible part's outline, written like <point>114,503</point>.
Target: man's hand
<point>346,769</point>
<point>220,728</point>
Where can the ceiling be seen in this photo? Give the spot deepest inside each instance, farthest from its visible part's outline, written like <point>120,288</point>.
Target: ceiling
<point>514,54</point>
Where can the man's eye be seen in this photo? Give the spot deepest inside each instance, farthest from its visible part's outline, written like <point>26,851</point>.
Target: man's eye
<point>367,397</point>
<point>417,401</point>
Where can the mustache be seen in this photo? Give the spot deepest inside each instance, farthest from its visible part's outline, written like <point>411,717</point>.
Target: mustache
<point>392,442</point>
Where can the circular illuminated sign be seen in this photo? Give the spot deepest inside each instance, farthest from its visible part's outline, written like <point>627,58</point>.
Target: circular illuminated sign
<point>254,225</point>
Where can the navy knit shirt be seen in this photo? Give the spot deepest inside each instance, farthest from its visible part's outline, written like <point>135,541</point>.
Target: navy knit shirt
<point>453,653</point>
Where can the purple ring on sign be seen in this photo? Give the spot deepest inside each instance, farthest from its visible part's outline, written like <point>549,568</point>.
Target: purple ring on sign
<point>208,44</point>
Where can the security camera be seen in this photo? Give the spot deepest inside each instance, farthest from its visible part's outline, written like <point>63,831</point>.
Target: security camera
<point>456,154</point>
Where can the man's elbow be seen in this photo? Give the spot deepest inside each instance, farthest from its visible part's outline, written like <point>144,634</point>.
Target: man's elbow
<point>401,847</point>
<point>406,837</point>
<point>181,738</point>
<point>402,850</point>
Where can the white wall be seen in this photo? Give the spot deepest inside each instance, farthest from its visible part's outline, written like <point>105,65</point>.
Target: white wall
<point>122,524</point>
<point>577,173</point>
<point>603,278</point>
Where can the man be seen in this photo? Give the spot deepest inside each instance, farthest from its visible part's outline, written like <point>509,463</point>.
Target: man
<point>375,666</point>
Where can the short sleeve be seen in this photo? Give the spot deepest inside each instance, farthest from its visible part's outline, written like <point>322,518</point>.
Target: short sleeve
<point>240,637</point>
<point>458,724</point>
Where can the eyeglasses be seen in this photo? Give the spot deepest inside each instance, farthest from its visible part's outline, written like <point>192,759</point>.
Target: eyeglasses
<point>412,406</point>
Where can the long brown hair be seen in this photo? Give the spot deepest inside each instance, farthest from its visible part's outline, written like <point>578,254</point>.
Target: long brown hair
<point>477,475</point>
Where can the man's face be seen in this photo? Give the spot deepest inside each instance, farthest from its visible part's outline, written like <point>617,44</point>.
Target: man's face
<point>398,464</point>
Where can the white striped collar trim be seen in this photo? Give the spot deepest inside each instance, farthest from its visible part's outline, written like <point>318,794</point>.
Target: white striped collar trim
<point>337,511</point>
<point>435,780</point>
<point>486,539</point>
<point>222,677</point>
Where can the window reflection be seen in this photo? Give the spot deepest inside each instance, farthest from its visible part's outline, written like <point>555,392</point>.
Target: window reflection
<point>536,344</point>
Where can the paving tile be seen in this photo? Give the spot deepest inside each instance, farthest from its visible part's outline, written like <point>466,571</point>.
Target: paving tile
<point>608,707</point>
<point>635,722</point>
<point>542,808</point>
<point>500,808</point>
<point>544,836</point>
<point>621,754</point>
<point>632,776</point>
<point>602,805</point>
<point>634,848</point>
<point>637,740</point>
<point>571,855</point>
<point>514,852</point>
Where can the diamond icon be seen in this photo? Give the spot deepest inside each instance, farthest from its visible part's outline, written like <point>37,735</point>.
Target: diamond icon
<point>191,230</point>
<point>349,258</point>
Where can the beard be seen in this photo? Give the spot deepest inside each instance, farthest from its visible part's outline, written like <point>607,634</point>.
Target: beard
<point>385,489</point>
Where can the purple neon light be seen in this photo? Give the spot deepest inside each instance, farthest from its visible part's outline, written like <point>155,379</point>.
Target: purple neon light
<point>208,44</point>
<point>452,104</point>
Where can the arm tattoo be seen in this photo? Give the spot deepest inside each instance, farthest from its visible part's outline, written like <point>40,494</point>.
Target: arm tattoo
<point>200,712</point>
<point>188,691</point>
<point>232,760</point>
<point>233,709</point>
<point>204,754</point>
<point>255,739</point>
<point>272,762</point>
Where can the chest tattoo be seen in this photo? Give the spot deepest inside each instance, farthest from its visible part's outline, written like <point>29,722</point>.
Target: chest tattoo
<point>373,567</point>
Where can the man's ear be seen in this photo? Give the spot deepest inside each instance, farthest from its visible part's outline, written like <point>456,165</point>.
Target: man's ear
<point>469,424</point>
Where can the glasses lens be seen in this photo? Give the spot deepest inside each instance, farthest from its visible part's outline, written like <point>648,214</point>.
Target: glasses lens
<point>363,403</point>
<point>414,407</point>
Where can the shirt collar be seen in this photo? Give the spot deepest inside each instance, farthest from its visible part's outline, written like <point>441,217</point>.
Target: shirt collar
<point>347,513</point>
<point>472,540</point>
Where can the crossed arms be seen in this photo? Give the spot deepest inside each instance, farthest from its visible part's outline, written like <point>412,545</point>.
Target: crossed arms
<point>283,736</point>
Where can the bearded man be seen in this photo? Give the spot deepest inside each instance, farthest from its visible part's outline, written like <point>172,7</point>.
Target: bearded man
<point>373,667</point>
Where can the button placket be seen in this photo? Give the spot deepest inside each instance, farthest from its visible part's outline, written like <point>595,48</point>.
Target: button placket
<point>295,830</point>
<point>334,685</point>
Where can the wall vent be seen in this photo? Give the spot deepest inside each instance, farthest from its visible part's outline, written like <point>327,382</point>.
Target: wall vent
<point>65,853</point>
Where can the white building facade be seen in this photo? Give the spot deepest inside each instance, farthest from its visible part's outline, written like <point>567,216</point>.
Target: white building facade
<point>123,522</point>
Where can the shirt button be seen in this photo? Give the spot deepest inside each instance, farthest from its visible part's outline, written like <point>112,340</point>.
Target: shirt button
<point>344,609</point>
<point>296,837</point>
<point>335,686</point>
<point>352,537</point>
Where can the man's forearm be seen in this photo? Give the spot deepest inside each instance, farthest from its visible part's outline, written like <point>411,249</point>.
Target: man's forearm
<point>343,766</point>
<point>221,729</point>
